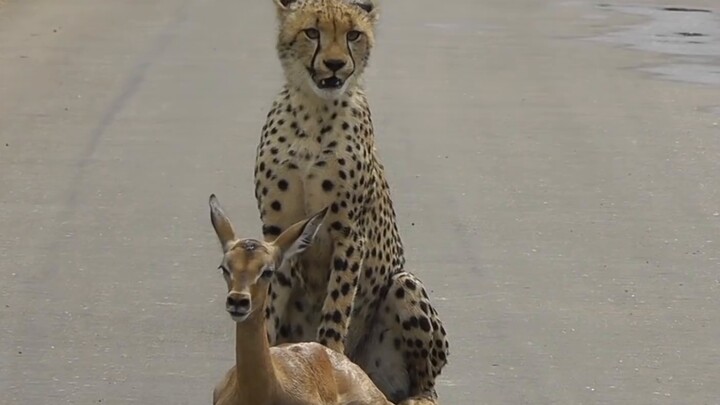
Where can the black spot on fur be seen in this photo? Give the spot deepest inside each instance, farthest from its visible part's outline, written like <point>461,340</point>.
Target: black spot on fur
<point>271,230</point>
<point>424,324</point>
<point>283,280</point>
<point>345,289</point>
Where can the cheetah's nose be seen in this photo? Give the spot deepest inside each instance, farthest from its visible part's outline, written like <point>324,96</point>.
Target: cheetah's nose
<point>334,64</point>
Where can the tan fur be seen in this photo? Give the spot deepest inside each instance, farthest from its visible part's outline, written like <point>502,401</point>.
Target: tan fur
<point>334,19</point>
<point>289,374</point>
<point>349,291</point>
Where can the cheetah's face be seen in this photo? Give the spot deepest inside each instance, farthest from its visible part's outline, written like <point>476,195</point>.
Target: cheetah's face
<point>324,45</point>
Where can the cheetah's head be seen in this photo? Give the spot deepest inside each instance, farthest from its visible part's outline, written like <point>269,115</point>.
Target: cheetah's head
<point>324,45</point>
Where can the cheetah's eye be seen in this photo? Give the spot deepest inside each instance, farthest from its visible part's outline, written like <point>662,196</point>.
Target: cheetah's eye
<point>353,35</point>
<point>312,33</point>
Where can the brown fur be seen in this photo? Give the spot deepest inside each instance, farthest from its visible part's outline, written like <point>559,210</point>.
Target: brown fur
<point>290,374</point>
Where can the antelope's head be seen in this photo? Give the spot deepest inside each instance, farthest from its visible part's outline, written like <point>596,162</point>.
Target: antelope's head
<point>248,265</point>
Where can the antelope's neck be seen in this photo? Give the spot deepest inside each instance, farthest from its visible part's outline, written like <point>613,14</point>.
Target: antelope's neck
<point>257,382</point>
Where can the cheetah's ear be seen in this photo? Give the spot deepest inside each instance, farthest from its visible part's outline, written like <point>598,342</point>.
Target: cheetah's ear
<point>284,5</point>
<point>299,236</point>
<point>369,6</point>
<point>221,223</point>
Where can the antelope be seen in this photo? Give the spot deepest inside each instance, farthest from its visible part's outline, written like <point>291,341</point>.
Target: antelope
<point>306,373</point>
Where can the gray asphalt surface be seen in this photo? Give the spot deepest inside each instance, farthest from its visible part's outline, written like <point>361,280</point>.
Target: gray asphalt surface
<point>561,204</point>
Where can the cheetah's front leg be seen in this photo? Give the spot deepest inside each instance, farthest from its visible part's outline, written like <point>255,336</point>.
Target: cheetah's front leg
<point>348,252</point>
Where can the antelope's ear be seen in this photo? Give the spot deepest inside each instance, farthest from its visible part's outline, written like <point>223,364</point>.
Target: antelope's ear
<point>299,236</point>
<point>221,223</point>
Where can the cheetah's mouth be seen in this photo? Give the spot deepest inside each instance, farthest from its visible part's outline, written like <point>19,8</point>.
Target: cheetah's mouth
<point>331,83</point>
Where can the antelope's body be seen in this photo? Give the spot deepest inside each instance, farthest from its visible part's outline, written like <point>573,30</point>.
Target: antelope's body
<point>306,373</point>
<point>290,374</point>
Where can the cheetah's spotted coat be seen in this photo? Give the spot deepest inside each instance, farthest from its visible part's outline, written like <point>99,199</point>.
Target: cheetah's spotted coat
<point>349,290</point>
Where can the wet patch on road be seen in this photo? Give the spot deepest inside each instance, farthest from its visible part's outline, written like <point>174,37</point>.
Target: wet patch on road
<point>691,36</point>
<point>686,10</point>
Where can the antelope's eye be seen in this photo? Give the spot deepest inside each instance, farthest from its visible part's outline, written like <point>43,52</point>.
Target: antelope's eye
<point>225,271</point>
<point>353,35</point>
<point>312,33</point>
<point>267,272</point>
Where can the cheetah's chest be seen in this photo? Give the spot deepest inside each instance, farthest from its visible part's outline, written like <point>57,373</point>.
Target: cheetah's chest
<point>313,142</point>
<point>302,155</point>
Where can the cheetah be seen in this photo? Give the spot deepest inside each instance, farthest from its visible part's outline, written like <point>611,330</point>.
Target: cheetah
<point>349,291</point>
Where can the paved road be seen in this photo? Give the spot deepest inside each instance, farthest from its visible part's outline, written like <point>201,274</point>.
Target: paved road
<point>562,206</point>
